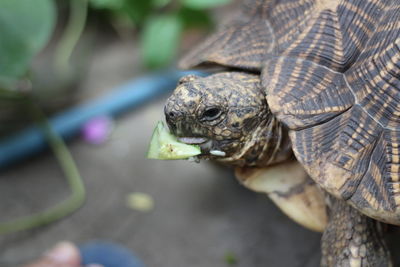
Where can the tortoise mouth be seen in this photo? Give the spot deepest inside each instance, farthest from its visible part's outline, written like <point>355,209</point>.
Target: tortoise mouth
<point>190,134</point>
<point>193,140</point>
<point>209,148</point>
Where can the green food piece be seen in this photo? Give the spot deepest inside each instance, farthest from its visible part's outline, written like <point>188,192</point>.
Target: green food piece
<point>164,145</point>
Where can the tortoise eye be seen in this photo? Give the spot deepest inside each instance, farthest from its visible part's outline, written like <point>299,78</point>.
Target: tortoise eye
<point>211,114</point>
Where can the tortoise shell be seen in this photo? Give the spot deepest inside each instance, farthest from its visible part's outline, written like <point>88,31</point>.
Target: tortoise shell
<point>331,72</point>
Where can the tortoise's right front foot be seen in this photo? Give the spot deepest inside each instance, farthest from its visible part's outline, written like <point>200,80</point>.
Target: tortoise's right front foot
<point>353,240</point>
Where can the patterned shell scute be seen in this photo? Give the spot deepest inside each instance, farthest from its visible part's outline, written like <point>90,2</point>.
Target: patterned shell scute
<point>242,43</point>
<point>287,19</point>
<point>331,33</point>
<point>376,85</point>
<point>318,93</point>
<point>354,153</point>
<point>387,31</point>
<point>336,33</point>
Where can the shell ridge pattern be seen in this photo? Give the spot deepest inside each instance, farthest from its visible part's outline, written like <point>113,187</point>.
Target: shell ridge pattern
<point>320,40</point>
<point>273,41</point>
<point>331,73</point>
<point>386,11</point>
<point>358,20</point>
<point>356,103</point>
<point>242,43</point>
<point>289,19</point>
<point>304,89</point>
<point>355,155</point>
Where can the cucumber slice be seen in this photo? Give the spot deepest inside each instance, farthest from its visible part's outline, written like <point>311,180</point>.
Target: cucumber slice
<point>164,145</point>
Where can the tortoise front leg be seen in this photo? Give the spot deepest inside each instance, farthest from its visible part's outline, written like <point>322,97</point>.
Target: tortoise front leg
<point>352,239</point>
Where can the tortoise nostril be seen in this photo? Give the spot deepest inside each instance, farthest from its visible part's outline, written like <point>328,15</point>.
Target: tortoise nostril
<point>171,114</point>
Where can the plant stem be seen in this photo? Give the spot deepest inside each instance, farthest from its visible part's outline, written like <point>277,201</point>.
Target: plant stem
<point>74,180</point>
<point>72,33</point>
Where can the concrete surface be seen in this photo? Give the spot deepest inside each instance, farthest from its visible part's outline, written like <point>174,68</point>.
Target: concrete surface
<point>200,213</point>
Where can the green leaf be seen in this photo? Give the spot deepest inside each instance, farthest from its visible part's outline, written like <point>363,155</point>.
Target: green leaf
<point>160,3</point>
<point>160,39</point>
<point>195,18</point>
<point>138,10</point>
<point>25,27</point>
<point>203,4</point>
<point>107,4</point>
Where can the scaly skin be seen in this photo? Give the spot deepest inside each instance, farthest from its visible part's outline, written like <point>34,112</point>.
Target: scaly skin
<point>352,239</point>
<point>242,126</point>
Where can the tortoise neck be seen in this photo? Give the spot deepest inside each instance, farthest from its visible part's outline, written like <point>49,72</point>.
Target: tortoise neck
<point>274,143</point>
<point>268,144</point>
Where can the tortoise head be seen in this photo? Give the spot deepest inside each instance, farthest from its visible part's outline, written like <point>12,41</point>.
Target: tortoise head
<point>227,115</point>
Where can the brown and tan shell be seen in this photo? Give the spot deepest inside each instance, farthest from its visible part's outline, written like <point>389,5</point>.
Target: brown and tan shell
<point>331,70</point>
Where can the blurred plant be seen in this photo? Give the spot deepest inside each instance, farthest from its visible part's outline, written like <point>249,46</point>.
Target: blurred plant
<point>230,258</point>
<point>160,22</point>
<point>26,27</point>
<point>74,180</point>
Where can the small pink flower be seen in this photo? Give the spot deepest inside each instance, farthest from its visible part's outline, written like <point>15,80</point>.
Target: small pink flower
<point>97,130</point>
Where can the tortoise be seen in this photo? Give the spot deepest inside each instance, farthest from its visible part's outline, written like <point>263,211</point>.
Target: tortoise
<point>317,81</point>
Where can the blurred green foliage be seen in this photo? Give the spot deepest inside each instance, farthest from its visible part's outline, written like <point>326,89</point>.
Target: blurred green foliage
<point>202,4</point>
<point>25,27</point>
<point>230,258</point>
<point>161,23</point>
<point>160,39</point>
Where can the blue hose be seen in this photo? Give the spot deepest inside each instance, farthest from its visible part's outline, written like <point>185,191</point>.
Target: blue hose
<point>68,123</point>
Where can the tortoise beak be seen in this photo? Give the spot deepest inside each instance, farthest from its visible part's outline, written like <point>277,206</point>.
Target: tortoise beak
<point>188,132</point>
<point>206,145</point>
<point>193,140</point>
